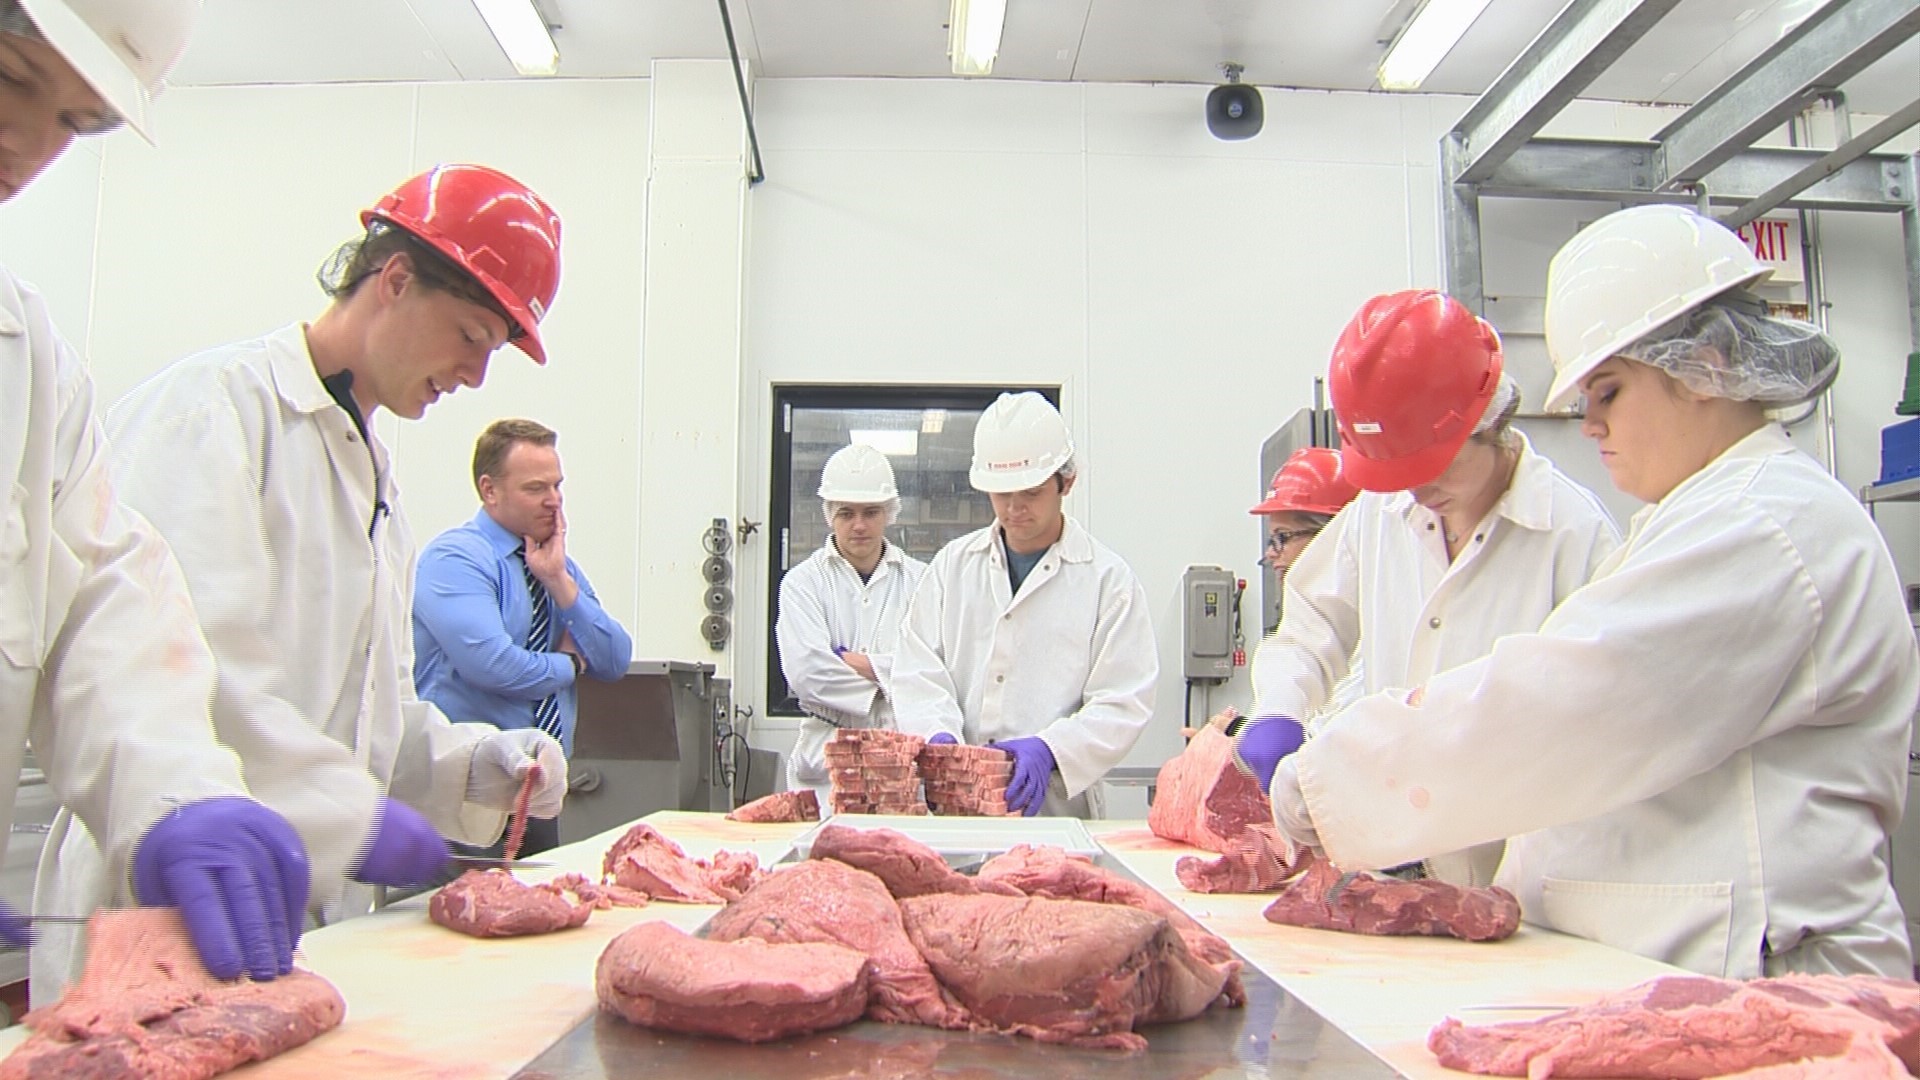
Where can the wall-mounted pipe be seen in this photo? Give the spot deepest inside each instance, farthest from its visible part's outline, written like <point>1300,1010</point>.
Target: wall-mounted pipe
<point>746,110</point>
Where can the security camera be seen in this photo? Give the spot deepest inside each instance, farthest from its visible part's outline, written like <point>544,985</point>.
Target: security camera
<point>1233,110</point>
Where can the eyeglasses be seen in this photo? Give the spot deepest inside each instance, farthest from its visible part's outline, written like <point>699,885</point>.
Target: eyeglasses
<point>1278,539</point>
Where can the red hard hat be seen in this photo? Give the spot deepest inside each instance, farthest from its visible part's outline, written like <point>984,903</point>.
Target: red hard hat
<point>493,227</point>
<point>1412,375</point>
<point>1308,482</point>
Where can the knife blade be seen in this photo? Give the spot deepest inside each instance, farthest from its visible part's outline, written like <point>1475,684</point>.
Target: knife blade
<point>490,862</point>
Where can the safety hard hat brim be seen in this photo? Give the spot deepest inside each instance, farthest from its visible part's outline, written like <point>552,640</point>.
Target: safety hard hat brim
<point>1565,390</point>
<point>858,498</point>
<point>95,61</point>
<point>1004,483</point>
<point>1287,504</point>
<point>1401,474</point>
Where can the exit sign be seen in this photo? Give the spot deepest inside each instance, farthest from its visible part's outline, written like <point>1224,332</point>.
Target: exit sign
<point>1776,242</point>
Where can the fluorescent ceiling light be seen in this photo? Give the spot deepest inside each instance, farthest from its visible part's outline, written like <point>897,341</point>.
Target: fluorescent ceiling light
<point>973,34</point>
<point>1432,33</point>
<point>892,443</point>
<point>522,33</point>
<point>933,421</point>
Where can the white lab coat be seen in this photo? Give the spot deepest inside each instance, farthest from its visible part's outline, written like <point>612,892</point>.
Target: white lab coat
<point>102,663</point>
<point>1071,659</point>
<point>266,491</point>
<point>1699,757</point>
<point>1375,588</point>
<point>823,603</point>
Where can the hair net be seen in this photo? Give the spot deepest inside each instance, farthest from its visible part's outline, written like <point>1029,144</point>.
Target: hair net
<point>1506,399</point>
<point>1731,348</point>
<point>1069,468</point>
<point>15,20</point>
<point>831,506</point>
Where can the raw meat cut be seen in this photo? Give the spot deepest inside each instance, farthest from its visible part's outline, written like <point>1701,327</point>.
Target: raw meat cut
<point>1202,798</point>
<point>801,805</point>
<point>517,824</point>
<point>145,1008</point>
<point>1051,872</point>
<point>1257,864</point>
<point>655,976</point>
<point>1373,905</point>
<point>601,896</point>
<point>1058,970</point>
<point>966,780</point>
<point>1691,1026</point>
<point>824,900</point>
<point>906,866</point>
<point>490,903</point>
<point>872,771</point>
<point>645,861</point>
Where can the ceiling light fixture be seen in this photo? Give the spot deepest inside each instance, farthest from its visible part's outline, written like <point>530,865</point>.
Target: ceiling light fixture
<point>1432,33</point>
<point>522,33</point>
<point>973,35</point>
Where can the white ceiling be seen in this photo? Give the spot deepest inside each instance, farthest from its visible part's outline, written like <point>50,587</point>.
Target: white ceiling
<point>1329,44</point>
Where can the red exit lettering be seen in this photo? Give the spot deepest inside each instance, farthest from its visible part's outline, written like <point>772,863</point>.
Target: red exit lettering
<point>1767,238</point>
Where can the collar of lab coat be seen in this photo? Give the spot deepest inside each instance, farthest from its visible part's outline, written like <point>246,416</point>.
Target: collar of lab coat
<point>500,540</point>
<point>890,555</point>
<point>1074,546</point>
<point>294,378</point>
<point>1528,501</point>
<point>1769,440</point>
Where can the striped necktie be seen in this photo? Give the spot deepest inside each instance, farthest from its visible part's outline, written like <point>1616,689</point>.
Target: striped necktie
<point>546,711</point>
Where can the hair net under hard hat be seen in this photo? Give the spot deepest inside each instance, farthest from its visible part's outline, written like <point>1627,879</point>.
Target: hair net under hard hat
<point>1506,396</point>
<point>1731,348</point>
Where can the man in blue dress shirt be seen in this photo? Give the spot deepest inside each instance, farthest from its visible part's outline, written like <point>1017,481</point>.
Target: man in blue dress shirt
<point>504,623</point>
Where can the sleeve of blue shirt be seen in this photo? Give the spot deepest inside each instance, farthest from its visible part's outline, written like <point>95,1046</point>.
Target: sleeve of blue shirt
<point>455,598</point>
<point>603,643</point>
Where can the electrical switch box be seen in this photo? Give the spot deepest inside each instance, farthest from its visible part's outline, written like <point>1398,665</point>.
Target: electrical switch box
<point>1209,596</point>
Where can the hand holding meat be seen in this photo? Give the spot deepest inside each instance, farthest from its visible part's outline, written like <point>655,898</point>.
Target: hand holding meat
<point>1032,765</point>
<point>239,875</point>
<point>502,761</point>
<point>405,849</point>
<point>1290,809</point>
<point>1263,743</point>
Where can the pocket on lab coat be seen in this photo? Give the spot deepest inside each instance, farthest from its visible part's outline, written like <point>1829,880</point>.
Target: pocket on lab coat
<point>17,622</point>
<point>1688,926</point>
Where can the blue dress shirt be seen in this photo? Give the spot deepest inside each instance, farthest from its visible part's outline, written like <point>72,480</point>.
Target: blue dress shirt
<point>471,614</point>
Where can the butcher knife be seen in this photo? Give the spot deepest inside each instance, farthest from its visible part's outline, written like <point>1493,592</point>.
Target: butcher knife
<point>491,863</point>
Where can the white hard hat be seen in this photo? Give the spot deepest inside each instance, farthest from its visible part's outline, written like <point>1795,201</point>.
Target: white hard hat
<point>858,474</point>
<point>1019,442</point>
<point>1629,274</point>
<point>123,48</point>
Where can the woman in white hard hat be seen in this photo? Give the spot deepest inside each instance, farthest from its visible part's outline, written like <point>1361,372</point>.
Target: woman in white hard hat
<point>104,664</point>
<point>1701,755</point>
<point>1462,533</point>
<point>1029,634</point>
<point>840,612</point>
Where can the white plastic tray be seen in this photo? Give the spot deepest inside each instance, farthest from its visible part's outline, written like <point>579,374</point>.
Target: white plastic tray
<point>965,835</point>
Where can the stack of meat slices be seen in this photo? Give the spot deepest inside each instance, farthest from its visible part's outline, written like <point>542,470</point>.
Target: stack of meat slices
<point>966,780</point>
<point>873,771</point>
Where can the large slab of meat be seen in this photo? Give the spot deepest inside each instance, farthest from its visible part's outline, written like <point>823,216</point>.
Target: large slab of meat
<point>145,1008</point>
<point>966,780</point>
<point>906,866</point>
<point>656,976</point>
<point>647,862</point>
<point>1202,798</point>
<point>1059,970</point>
<point>1051,872</point>
<point>1386,906</point>
<point>1257,863</point>
<point>875,771</point>
<point>491,903</point>
<point>1690,1026</point>
<point>825,900</point>
<point>801,805</point>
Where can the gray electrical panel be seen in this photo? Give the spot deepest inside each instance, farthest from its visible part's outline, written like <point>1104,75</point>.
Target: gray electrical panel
<point>1207,598</point>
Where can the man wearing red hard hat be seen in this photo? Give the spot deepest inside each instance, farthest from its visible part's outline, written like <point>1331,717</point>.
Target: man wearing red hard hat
<point>260,464</point>
<point>1462,533</point>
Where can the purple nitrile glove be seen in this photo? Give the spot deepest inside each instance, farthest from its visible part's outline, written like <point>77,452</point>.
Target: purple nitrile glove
<point>945,738</point>
<point>404,849</point>
<point>1032,765</point>
<point>239,875</point>
<point>1263,743</point>
<point>15,929</point>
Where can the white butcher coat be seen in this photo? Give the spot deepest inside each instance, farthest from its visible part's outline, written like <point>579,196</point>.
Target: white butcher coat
<point>265,489</point>
<point>1070,659</point>
<point>102,664</point>
<point>1699,757</point>
<point>1375,589</point>
<point>823,603</point>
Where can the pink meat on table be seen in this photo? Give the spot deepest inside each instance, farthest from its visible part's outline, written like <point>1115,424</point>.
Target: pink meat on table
<point>656,976</point>
<point>824,900</point>
<point>1386,906</point>
<point>647,862</point>
<point>1685,1027</point>
<point>782,806</point>
<point>146,1008</point>
<point>1258,863</point>
<point>1202,798</point>
<point>906,866</point>
<point>490,903</point>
